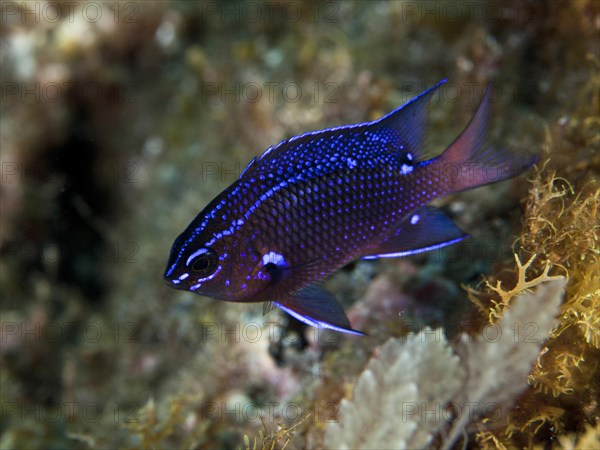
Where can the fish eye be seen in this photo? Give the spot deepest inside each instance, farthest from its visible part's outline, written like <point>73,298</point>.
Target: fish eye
<point>205,262</point>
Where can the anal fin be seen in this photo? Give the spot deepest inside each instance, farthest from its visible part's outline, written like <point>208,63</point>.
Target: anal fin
<point>318,308</point>
<point>425,229</point>
<point>268,307</point>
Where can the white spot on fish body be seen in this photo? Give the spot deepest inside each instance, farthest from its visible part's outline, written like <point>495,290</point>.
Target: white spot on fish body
<point>275,258</point>
<point>405,169</point>
<point>415,219</point>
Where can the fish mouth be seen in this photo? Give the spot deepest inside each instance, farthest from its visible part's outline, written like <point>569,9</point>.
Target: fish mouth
<point>175,284</point>
<point>173,275</point>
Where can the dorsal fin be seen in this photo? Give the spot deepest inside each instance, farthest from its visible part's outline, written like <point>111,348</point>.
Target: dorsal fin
<point>394,139</point>
<point>410,122</point>
<point>252,161</point>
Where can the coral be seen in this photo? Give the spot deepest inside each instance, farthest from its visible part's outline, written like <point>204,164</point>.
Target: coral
<point>590,438</point>
<point>494,365</point>
<point>560,235</point>
<point>522,285</point>
<point>570,239</point>
<point>432,389</point>
<point>154,429</point>
<point>401,377</point>
<point>269,441</point>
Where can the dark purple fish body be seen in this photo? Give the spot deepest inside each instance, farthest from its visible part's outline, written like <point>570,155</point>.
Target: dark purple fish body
<point>318,201</point>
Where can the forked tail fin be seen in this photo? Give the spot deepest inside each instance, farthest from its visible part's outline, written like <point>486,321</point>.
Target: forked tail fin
<point>469,163</point>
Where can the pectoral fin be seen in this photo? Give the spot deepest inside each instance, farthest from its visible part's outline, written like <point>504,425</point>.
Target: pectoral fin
<point>424,230</point>
<point>318,308</point>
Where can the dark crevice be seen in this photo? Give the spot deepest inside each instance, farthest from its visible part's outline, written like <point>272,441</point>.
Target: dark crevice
<point>81,245</point>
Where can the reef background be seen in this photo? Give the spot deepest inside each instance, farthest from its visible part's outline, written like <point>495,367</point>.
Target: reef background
<point>121,120</point>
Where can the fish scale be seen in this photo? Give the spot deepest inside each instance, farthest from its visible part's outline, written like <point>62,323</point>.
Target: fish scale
<point>317,201</point>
